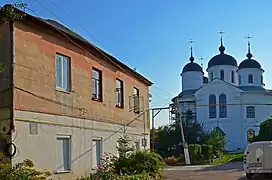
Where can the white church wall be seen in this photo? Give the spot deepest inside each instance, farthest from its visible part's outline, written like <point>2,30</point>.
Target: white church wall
<point>192,80</point>
<point>262,111</point>
<point>256,73</point>
<point>232,124</point>
<point>215,70</point>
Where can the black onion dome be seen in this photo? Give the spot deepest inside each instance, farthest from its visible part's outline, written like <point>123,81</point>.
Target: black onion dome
<point>249,63</point>
<point>222,58</point>
<point>191,66</point>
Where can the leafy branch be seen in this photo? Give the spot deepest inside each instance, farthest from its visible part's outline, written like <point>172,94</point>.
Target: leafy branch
<point>10,13</point>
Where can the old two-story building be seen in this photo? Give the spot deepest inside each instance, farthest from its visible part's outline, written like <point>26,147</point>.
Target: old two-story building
<point>63,101</point>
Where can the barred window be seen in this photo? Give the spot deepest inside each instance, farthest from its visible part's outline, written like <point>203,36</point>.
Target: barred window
<point>222,106</point>
<point>250,112</point>
<point>212,106</point>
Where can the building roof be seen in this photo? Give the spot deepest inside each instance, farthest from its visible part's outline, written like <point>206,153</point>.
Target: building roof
<point>222,58</point>
<point>61,29</point>
<point>249,63</point>
<point>192,66</point>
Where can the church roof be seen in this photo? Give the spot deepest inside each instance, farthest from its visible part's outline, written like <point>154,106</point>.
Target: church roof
<point>252,88</point>
<point>222,58</point>
<point>192,66</point>
<point>249,62</point>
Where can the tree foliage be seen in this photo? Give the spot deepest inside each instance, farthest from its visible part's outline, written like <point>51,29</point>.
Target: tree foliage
<point>265,133</point>
<point>168,141</point>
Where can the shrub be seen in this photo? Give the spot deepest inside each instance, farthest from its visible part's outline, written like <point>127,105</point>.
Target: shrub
<point>216,139</point>
<point>144,176</point>
<point>170,160</point>
<point>21,171</point>
<point>207,151</point>
<point>146,162</point>
<point>181,158</point>
<point>195,152</point>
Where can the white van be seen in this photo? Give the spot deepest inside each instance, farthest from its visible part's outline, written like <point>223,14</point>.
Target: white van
<point>258,158</point>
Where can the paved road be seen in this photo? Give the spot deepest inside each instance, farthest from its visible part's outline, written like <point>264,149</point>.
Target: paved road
<point>230,171</point>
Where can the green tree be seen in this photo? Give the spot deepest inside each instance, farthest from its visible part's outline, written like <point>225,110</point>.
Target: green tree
<point>265,133</point>
<point>168,141</point>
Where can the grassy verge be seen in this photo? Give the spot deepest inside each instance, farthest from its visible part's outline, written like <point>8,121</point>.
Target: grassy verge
<point>228,158</point>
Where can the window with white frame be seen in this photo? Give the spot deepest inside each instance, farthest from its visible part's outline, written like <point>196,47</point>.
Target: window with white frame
<point>96,152</point>
<point>96,84</point>
<point>63,72</point>
<point>222,106</point>
<point>63,150</point>
<point>119,93</point>
<point>212,106</point>
<point>250,112</point>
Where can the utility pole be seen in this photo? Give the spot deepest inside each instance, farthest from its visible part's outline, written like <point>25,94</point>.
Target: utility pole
<point>185,145</point>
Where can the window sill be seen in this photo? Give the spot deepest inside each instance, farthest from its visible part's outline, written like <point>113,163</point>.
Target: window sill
<point>63,172</point>
<point>97,100</point>
<point>63,91</point>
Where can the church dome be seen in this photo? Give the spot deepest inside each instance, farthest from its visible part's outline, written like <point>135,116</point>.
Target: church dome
<point>249,63</point>
<point>192,66</point>
<point>222,58</point>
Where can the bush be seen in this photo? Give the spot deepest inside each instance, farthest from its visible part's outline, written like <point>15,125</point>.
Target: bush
<point>181,158</point>
<point>21,171</point>
<point>207,151</point>
<point>170,160</point>
<point>146,162</point>
<point>217,141</point>
<point>130,164</point>
<point>195,152</point>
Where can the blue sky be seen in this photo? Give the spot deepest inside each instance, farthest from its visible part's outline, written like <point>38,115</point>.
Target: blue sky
<point>152,36</point>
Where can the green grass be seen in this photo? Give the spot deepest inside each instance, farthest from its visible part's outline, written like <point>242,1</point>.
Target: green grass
<point>228,158</point>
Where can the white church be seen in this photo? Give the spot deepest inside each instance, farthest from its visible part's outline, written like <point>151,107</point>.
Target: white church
<point>232,98</point>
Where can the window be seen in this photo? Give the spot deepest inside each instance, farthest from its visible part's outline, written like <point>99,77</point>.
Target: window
<point>119,93</point>
<point>96,84</point>
<point>250,134</point>
<point>136,96</point>
<point>211,76</point>
<point>33,128</point>
<point>222,106</point>
<point>189,115</point>
<point>250,112</point>
<point>212,106</point>
<point>262,79</point>
<point>239,79</point>
<point>250,79</point>
<point>64,153</point>
<point>232,77</point>
<point>222,77</point>
<point>63,72</point>
<point>96,152</point>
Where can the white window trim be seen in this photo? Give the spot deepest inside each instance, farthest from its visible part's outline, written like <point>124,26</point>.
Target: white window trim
<point>69,137</point>
<point>68,73</point>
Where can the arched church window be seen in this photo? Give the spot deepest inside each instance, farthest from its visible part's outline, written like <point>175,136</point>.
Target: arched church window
<point>212,106</point>
<point>239,79</point>
<point>262,79</point>
<point>189,115</point>
<point>250,134</point>
<point>211,76</point>
<point>222,77</point>
<point>232,77</point>
<point>250,112</point>
<point>222,106</point>
<point>250,79</point>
